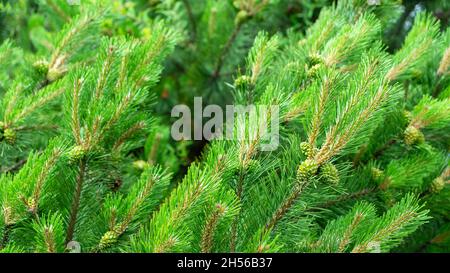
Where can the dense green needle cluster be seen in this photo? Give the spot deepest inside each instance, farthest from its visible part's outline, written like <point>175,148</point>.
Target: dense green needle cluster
<point>87,157</point>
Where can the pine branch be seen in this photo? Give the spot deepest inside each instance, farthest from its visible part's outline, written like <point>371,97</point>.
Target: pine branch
<point>225,50</point>
<point>48,165</point>
<point>49,233</point>
<point>59,11</point>
<point>127,134</point>
<point>137,200</point>
<point>210,227</point>
<point>39,102</point>
<point>417,46</point>
<point>346,239</point>
<point>325,94</point>
<point>15,167</point>
<point>336,139</point>
<point>284,207</point>
<point>73,214</point>
<point>396,223</point>
<point>106,68</point>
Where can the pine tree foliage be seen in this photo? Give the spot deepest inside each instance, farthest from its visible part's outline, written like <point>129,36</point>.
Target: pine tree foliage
<point>88,163</point>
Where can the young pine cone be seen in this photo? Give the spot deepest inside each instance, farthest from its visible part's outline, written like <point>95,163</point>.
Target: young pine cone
<point>413,136</point>
<point>242,81</point>
<point>437,185</point>
<point>241,17</point>
<point>41,67</point>
<point>377,174</point>
<point>140,165</point>
<point>315,59</point>
<point>54,74</point>
<point>307,149</point>
<point>330,173</point>
<point>77,153</point>
<point>306,170</point>
<point>408,116</point>
<point>108,239</point>
<point>10,136</point>
<point>313,71</point>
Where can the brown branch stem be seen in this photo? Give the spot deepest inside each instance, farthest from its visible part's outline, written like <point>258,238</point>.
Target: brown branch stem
<point>76,201</point>
<point>191,19</point>
<point>225,50</point>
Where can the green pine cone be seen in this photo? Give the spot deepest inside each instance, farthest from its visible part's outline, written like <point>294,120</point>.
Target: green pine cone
<point>330,173</point>
<point>41,67</point>
<point>140,164</point>
<point>10,136</point>
<point>242,81</point>
<point>408,115</point>
<point>413,136</point>
<point>55,74</point>
<point>306,170</point>
<point>437,185</point>
<point>241,17</point>
<point>77,153</point>
<point>31,204</point>
<point>315,59</point>
<point>307,149</point>
<point>313,71</point>
<point>108,239</point>
<point>377,174</point>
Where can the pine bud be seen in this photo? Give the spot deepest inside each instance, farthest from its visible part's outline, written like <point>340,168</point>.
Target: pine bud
<point>140,164</point>
<point>307,149</point>
<point>8,216</point>
<point>330,173</point>
<point>242,81</point>
<point>413,136</point>
<point>315,59</point>
<point>146,33</point>
<point>377,174</point>
<point>54,74</point>
<point>41,67</point>
<point>408,116</point>
<point>31,204</point>
<point>241,17</point>
<point>313,71</point>
<point>306,170</point>
<point>108,239</point>
<point>76,154</point>
<point>263,248</point>
<point>437,185</point>
<point>9,135</point>
<point>107,24</point>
